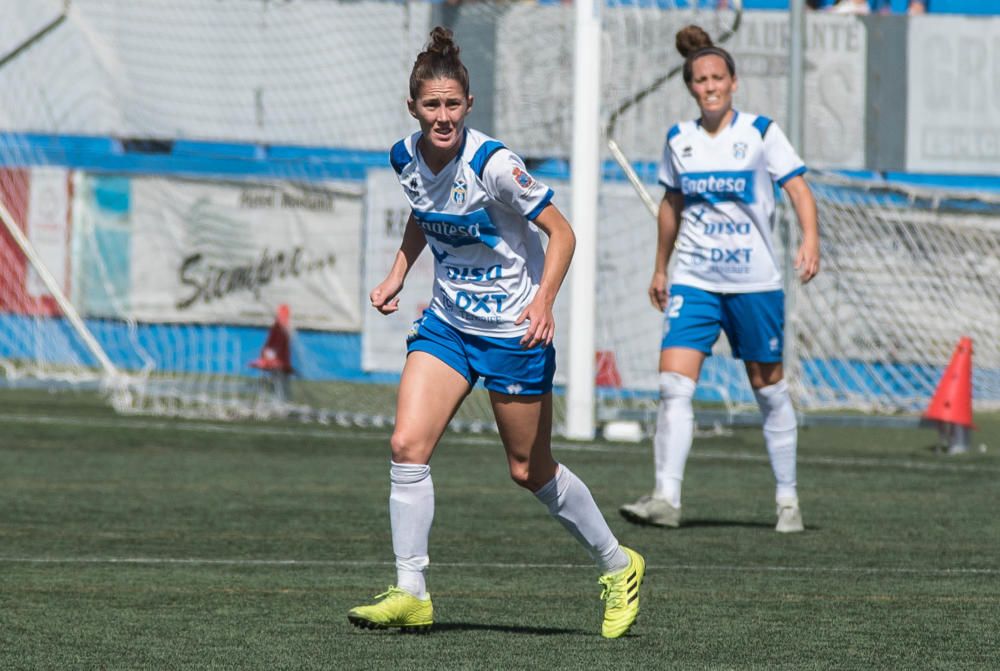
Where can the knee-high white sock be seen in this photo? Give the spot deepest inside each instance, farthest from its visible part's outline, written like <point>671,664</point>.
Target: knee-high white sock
<point>570,502</point>
<point>780,436</point>
<point>411,511</point>
<point>674,433</point>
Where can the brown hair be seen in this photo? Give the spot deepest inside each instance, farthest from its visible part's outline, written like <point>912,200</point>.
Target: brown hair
<point>439,60</point>
<point>692,43</point>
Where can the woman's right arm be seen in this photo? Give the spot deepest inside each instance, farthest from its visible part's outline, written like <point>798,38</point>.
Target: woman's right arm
<point>668,222</point>
<point>384,296</point>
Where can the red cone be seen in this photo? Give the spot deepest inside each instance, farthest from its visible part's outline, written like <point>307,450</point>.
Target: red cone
<point>276,354</point>
<point>952,402</point>
<point>607,370</point>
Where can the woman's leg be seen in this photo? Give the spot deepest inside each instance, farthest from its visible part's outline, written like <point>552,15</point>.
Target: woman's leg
<point>430,392</point>
<point>525,424</point>
<point>780,437</point>
<point>679,371</point>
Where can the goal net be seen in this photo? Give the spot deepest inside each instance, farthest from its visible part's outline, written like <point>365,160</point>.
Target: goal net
<point>906,273</point>
<point>179,170</point>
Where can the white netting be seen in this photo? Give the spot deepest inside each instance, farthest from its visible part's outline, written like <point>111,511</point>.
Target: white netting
<point>157,132</point>
<point>906,273</point>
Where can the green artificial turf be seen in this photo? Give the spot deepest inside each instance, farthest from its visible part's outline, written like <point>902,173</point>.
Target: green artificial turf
<point>142,543</point>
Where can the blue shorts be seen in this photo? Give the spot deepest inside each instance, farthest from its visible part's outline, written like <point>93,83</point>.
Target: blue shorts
<point>504,365</point>
<point>754,322</point>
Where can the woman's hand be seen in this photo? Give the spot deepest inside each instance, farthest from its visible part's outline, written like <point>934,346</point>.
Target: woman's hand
<point>383,297</point>
<point>807,260</point>
<point>541,323</point>
<point>658,290</point>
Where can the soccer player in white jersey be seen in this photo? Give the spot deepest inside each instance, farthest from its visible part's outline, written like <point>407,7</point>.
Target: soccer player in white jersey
<point>719,173</point>
<point>473,203</point>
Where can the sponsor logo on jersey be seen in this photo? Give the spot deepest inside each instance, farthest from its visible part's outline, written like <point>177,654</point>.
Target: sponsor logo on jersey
<point>458,191</point>
<point>410,186</point>
<point>739,150</point>
<point>459,229</point>
<point>714,187</point>
<point>523,179</point>
<point>472,274</point>
<point>726,228</point>
<point>686,152</point>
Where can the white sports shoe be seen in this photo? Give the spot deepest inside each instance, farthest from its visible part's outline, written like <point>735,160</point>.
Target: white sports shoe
<point>653,510</point>
<point>789,517</point>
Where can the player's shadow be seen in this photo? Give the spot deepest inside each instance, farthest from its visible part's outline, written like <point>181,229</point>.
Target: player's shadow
<point>504,628</point>
<point>706,523</point>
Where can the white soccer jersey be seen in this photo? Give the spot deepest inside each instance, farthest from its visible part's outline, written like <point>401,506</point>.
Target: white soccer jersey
<point>725,242</point>
<point>476,215</point>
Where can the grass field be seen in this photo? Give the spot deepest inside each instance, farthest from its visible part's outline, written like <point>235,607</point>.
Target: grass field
<point>135,543</point>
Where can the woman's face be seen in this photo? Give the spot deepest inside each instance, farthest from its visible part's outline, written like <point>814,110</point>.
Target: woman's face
<point>711,85</point>
<point>441,109</point>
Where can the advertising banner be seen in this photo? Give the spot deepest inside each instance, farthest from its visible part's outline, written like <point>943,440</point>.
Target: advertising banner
<point>48,226</point>
<point>953,118</point>
<point>230,253</point>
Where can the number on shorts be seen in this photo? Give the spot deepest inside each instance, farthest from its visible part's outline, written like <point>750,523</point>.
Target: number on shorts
<point>674,310</point>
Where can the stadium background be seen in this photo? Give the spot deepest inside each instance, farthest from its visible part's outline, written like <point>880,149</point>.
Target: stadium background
<point>195,145</point>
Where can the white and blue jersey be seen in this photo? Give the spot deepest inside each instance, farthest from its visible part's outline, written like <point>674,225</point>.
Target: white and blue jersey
<point>725,243</point>
<point>476,215</point>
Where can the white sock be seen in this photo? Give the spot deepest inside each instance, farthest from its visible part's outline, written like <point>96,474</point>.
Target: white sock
<point>780,436</point>
<point>411,511</point>
<point>570,502</point>
<point>674,433</point>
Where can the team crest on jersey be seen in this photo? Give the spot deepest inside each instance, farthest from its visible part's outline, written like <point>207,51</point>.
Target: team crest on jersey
<point>523,179</point>
<point>458,191</point>
<point>739,150</point>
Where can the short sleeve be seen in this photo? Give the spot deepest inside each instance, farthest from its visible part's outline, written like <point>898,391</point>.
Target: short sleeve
<point>782,162</point>
<point>667,173</point>
<point>508,180</point>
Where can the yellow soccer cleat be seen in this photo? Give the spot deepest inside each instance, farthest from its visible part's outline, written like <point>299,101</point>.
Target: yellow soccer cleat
<point>397,609</point>
<point>621,595</point>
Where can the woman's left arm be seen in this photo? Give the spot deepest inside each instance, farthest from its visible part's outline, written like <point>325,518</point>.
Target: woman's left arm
<point>558,254</point>
<point>807,258</point>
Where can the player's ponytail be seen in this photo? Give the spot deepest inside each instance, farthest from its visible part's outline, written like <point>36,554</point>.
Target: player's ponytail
<point>439,60</point>
<point>692,43</point>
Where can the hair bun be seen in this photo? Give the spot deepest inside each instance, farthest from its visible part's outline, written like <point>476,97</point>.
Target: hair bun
<point>442,43</point>
<point>690,39</point>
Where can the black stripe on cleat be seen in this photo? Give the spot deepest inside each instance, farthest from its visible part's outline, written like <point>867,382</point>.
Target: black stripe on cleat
<point>362,623</point>
<point>418,629</point>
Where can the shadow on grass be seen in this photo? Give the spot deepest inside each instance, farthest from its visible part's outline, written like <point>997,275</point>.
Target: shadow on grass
<point>504,628</point>
<point>689,524</point>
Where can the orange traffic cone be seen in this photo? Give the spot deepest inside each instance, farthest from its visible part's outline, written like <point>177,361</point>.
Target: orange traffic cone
<point>951,405</point>
<point>276,355</point>
<point>607,370</point>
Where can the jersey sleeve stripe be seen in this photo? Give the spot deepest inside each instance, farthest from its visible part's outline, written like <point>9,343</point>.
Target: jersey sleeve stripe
<point>762,123</point>
<point>483,155</point>
<point>801,170</point>
<point>674,131</point>
<point>399,157</point>
<point>672,189</point>
<point>542,204</point>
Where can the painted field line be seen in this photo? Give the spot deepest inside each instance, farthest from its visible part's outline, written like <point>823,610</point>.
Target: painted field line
<point>509,566</point>
<point>463,439</point>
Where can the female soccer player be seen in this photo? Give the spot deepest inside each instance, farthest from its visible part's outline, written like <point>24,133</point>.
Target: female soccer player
<point>719,171</point>
<point>473,202</point>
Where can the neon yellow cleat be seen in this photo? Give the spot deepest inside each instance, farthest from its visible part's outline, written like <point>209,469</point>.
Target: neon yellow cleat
<point>621,595</point>
<point>397,609</point>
